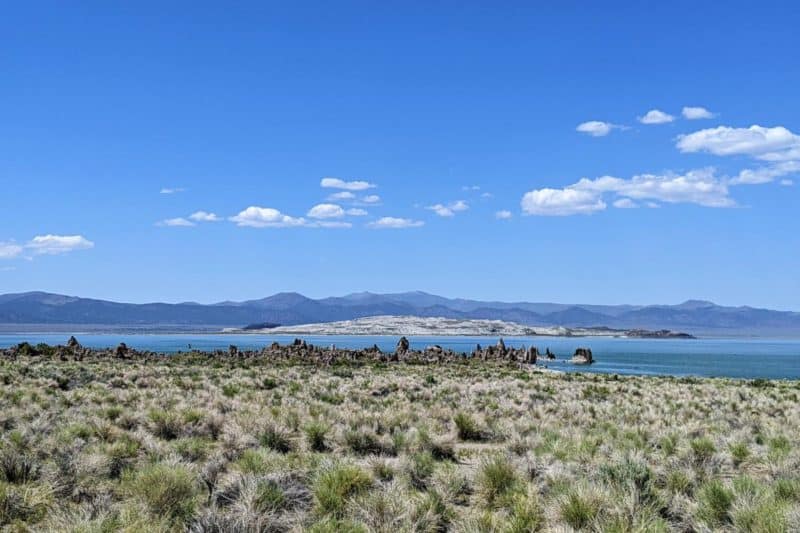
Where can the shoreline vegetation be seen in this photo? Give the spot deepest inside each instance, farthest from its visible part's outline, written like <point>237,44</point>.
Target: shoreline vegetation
<point>298,438</point>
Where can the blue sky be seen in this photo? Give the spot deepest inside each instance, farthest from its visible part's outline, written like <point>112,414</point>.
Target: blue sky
<point>460,131</point>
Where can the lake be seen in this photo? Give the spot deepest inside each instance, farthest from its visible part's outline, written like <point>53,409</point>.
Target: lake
<point>729,357</point>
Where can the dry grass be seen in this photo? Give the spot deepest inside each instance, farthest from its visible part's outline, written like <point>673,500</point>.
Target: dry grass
<point>224,444</point>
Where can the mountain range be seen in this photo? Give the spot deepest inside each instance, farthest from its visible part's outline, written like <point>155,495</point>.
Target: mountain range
<point>289,308</point>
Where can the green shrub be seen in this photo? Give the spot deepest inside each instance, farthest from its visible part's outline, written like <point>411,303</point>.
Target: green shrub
<point>466,427</point>
<point>579,511</point>
<point>715,503</point>
<point>420,468</point>
<point>23,503</point>
<point>229,390</point>
<point>703,449</point>
<point>765,516</point>
<point>170,491</point>
<point>431,513</point>
<point>526,515</point>
<point>787,490</point>
<point>739,452</point>
<point>315,436</point>
<point>336,485</point>
<point>269,384</point>
<point>276,439</point>
<point>166,424</point>
<point>495,479</point>
<point>779,446</point>
<point>270,497</point>
<point>17,467</point>
<point>363,442</point>
<point>678,482</point>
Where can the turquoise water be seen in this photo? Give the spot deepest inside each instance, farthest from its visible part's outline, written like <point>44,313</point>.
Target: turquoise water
<point>737,358</point>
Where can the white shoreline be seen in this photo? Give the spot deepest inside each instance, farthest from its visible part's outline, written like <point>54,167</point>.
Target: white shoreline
<point>388,325</point>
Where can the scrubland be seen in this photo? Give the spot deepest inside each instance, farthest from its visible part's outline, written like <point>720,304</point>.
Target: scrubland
<point>212,444</point>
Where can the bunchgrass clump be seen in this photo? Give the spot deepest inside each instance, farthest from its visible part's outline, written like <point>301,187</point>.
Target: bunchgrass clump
<point>336,485</point>
<point>167,490</point>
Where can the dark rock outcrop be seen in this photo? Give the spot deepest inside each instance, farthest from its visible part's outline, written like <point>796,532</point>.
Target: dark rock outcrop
<point>121,351</point>
<point>583,356</point>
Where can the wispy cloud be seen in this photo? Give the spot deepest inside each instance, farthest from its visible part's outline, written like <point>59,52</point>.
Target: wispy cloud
<point>177,222</point>
<point>756,176</point>
<point>395,223</point>
<point>371,199</point>
<point>787,183</point>
<point>596,128</point>
<point>172,190</point>
<point>204,216</point>
<point>696,113</point>
<point>58,244</point>
<point>655,116</point>
<point>503,215</point>
<point>450,209</point>
<point>700,186</point>
<point>625,203</point>
<point>336,183</point>
<point>341,196</point>
<point>356,212</point>
<point>10,250</point>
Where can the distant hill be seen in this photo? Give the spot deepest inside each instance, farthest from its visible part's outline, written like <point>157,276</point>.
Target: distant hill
<point>693,316</point>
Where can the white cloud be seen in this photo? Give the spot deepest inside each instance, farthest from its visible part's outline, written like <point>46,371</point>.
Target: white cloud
<point>441,210</point>
<point>371,199</point>
<point>356,212</point>
<point>652,205</point>
<point>471,188</point>
<point>595,128</point>
<point>767,174</point>
<point>176,222</point>
<point>625,203</point>
<point>486,195</point>
<point>343,195</point>
<point>768,144</point>
<point>696,113</point>
<point>172,190</point>
<point>336,183</point>
<point>203,216</point>
<point>58,244</point>
<point>787,183</point>
<point>700,187</point>
<point>503,215</point>
<point>265,217</point>
<point>395,223</point>
<point>9,250</point>
<point>459,205</point>
<point>654,116</point>
<point>326,211</point>
<point>336,224</point>
<point>561,202</point>
<point>450,209</point>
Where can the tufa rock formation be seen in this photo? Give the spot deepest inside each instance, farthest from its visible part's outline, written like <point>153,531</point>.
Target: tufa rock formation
<point>583,356</point>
